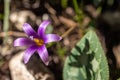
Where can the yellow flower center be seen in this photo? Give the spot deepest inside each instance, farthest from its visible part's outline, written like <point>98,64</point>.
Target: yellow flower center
<point>38,42</point>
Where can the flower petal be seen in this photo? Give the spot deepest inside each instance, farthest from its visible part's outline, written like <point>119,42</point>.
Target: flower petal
<point>29,30</point>
<point>29,52</point>
<point>42,51</point>
<point>42,28</point>
<point>23,42</point>
<point>51,38</point>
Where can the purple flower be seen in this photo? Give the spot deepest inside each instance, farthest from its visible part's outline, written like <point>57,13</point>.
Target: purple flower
<point>36,41</point>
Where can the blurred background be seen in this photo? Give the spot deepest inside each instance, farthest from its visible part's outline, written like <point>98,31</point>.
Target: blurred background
<point>70,19</point>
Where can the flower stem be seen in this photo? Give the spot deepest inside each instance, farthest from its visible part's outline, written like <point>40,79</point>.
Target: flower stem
<point>6,19</point>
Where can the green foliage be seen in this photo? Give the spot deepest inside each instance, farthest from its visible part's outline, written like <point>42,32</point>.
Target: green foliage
<point>97,2</point>
<point>49,29</point>
<point>64,3</point>
<point>87,60</point>
<point>1,16</point>
<point>61,50</point>
<point>118,79</point>
<point>78,11</point>
<point>110,2</point>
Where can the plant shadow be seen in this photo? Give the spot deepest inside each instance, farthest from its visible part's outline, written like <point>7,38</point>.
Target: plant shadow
<point>83,59</point>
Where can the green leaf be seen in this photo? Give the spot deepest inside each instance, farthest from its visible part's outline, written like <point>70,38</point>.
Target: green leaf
<point>87,60</point>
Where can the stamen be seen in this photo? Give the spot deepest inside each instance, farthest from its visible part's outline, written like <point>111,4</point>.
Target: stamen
<point>38,42</point>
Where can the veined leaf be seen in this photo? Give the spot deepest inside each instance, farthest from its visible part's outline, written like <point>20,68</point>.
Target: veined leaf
<point>87,60</point>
